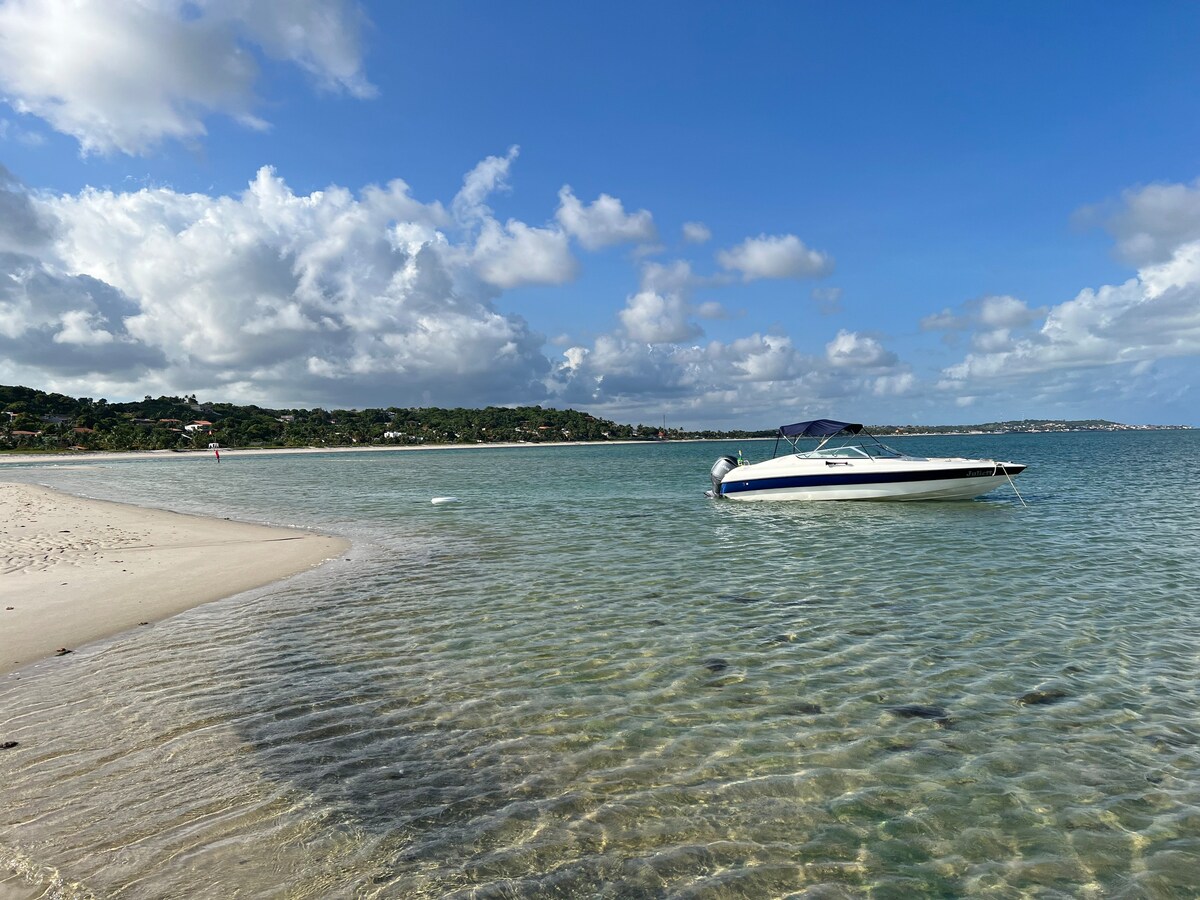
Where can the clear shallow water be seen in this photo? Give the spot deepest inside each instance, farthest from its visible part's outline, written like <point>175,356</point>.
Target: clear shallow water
<point>587,680</point>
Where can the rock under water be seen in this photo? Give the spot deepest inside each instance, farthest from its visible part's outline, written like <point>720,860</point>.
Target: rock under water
<point>1042,697</point>
<point>938,714</point>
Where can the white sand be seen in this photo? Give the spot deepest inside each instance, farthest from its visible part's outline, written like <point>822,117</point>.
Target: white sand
<point>75,570</point>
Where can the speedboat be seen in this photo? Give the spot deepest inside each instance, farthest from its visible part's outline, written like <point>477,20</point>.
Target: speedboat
<point>850,463</point>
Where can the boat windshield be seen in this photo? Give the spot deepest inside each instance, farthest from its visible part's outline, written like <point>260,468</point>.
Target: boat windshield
<point>851,451</point>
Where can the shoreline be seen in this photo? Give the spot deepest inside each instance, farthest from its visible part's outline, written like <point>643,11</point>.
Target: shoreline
<point>77,570</point>
<point>68,457</point>
<point>86,456</point>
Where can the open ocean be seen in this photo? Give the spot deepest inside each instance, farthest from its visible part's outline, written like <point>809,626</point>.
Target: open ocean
<point>587,680</point>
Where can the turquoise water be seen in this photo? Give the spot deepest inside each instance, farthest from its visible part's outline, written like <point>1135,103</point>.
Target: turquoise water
<point>587,680</point>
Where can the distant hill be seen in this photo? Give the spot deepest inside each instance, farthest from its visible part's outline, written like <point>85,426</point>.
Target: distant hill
<point>1026,426</point>
<point>33,420</point>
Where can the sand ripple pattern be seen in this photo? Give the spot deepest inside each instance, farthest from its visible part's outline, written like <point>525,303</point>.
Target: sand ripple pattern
<point>592,695</point>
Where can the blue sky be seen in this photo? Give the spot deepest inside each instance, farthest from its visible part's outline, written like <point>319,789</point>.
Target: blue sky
<point>728,216</point>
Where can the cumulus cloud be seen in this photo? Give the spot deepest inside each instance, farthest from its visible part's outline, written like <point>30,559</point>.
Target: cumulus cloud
<point>661,311</point>
<point>993,311</point>
<point>122,77</point>
<point>519,254</point>
<point>748,380</point>
<point>1151,317</point>
<point>1155,220</point>
<point>775,256</point>
<point>696,233</point>
<point>852,350</point>
<point>363,298</point>
<point>1107,344</point>
<point>511,254</point>
<point>603,222</point>
<point>656,318</point>
<point>376,297</point>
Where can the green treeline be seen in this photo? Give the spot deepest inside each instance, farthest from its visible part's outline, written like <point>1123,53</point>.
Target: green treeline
<point>36,420</point>
<point>33,420</point>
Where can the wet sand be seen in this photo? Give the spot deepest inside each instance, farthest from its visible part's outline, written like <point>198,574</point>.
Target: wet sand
<point>75,570</point>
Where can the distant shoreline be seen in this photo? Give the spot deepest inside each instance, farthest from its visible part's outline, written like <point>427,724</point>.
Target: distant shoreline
<point>114,455</point>
<point>85,456</point>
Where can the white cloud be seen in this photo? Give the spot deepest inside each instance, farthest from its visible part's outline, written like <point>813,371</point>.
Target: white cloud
<point>1151,317</point>
<point>1155,220</point>
<point>778,256</point>
<point>82,327</point>
<point>362,298</point>
<point>749,380</point>
<point>320,36</point>
<point>1004,312</point>
<point>946,320</point>
<point>895,385</point>
<point>696,233</point>
<point>125,76</point>
<point>488,176</point>
<point>852,350</point>
<point>603,222</point>
<point>375,298</point>
<point>657,318</point>
<point>519,254</point>
<point>764,358</point>
<point>992,311</point>
<point>660,312</point>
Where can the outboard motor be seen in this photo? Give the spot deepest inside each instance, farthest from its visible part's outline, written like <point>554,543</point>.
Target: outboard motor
<point>720,469</point>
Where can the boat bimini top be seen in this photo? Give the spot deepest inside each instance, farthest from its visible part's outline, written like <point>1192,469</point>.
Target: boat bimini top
<point>824,430</point>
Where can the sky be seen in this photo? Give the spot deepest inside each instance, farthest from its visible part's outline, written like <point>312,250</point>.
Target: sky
<point>717,215</point>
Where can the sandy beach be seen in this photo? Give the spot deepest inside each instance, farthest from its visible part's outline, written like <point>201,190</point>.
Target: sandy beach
<point>74,570</point>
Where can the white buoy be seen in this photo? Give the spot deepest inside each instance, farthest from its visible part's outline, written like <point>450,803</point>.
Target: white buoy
<point>438,501</point>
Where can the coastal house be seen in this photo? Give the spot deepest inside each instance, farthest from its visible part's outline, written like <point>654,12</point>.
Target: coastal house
<point>200,425</point>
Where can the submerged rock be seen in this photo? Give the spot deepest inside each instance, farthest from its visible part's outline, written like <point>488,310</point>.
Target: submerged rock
<point>803,709</point>
<point>740,598</point>
<point>656,623</point>
<point>716,664</point>
<point>1042,697</point>
<point>938,714</point>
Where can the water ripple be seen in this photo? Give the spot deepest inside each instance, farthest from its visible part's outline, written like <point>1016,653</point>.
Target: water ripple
<point>556,689</point>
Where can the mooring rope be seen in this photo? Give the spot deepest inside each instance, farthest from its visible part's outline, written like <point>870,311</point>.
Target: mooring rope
<point>1011,483</point>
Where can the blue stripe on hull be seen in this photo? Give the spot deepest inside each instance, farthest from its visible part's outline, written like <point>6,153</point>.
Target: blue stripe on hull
<point>860,478</point>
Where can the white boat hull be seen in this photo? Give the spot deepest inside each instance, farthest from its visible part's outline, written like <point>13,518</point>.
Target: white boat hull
<point>907,478</point>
